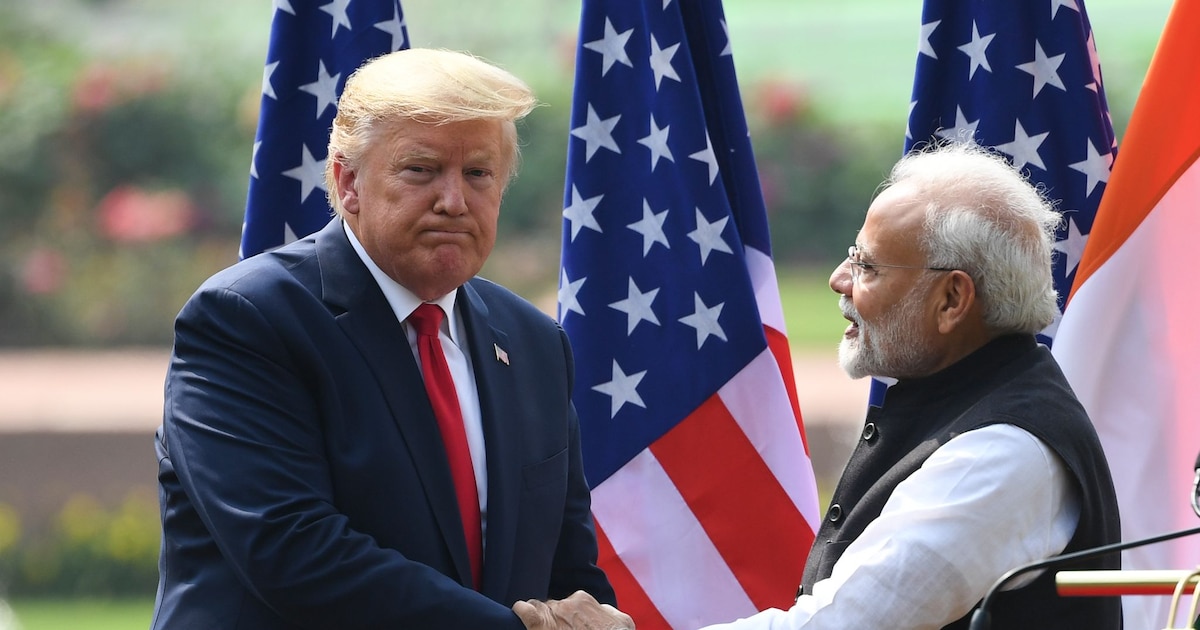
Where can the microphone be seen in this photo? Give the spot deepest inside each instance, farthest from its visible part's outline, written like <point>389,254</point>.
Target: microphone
<point>982,620</point>
<point>1196,488</point>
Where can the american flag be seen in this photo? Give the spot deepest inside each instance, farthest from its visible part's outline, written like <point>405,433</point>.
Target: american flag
<point>703,491</point>
<point>1021,76</point>
<point>314,47</point>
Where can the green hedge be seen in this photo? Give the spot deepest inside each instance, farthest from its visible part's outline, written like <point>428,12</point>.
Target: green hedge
<point>88,550</point>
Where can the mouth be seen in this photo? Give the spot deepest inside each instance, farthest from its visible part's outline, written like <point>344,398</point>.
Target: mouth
<point>851,315</point>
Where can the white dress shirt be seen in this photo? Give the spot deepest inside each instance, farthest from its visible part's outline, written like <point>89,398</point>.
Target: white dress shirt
<point>458,356</point>
<point>987,501</point>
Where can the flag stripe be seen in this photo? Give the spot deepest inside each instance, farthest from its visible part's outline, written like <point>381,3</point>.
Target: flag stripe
<point>633,601</point>
<point>665,548</point>
<point>743,486</point>
<point>750,395</point>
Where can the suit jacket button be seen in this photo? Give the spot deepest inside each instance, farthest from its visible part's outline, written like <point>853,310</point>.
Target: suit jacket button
<point>835,513</point>
<point>869,432</point>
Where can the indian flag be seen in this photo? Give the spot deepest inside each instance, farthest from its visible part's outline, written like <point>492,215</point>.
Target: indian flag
<point>1128,340</point>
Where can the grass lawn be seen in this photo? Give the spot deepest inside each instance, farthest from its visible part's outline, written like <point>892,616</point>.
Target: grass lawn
<point>89,614</point>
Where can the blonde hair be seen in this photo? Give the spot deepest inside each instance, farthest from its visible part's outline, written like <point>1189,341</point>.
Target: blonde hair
<point>428,86</point>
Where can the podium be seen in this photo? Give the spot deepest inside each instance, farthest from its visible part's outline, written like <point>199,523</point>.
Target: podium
<point>1154,582</point>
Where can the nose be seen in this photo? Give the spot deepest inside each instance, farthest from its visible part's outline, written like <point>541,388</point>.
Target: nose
<point>451,199</point>
<point>840,280</point>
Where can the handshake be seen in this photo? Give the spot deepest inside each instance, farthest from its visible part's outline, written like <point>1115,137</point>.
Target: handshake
<point>580,611</point>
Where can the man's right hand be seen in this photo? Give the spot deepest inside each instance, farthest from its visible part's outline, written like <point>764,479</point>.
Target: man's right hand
<point>580,611</point>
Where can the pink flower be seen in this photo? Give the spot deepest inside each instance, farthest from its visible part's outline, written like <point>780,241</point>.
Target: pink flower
<point>43,271</point>
<point>133,215</point>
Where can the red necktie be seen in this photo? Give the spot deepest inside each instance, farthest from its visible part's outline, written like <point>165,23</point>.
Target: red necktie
<point>427,321</point>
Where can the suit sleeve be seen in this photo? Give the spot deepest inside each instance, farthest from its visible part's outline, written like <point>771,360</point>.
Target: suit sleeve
<point>242,431</point>
<point>575,558</point>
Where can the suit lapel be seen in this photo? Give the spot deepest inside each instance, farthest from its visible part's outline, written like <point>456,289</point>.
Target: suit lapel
<point>494,378</point>
<point>369,322</point>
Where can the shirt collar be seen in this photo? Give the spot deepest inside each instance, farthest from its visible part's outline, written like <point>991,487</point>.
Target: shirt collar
<point>403,301</point>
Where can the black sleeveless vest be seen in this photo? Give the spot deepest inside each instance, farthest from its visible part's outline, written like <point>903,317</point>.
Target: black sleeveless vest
<point>1011,380</point>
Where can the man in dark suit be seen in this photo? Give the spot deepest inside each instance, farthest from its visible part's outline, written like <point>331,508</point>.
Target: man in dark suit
<point>307,475</point>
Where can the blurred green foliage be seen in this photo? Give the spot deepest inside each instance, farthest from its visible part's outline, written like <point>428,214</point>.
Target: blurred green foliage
<point>89,550</point>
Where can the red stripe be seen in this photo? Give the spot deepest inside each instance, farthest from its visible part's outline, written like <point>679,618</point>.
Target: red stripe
<point>778,343</point>
<point>631,599</point>
<point>737,500</point>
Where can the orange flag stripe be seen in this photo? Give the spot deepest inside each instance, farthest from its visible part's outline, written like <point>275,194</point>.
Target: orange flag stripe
<point>1161,143</point>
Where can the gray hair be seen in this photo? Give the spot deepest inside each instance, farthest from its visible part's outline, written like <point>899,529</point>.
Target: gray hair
<point>429,86</point>
<point>983,216</point>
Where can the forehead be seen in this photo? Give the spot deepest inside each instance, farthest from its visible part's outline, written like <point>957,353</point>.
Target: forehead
<point>894,222</point>
<point>476,139</point>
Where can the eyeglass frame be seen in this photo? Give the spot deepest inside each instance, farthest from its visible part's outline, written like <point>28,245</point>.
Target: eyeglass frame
<point>857,266</point>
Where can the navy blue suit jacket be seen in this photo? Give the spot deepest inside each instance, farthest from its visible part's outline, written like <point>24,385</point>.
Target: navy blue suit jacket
<point>302,476</point>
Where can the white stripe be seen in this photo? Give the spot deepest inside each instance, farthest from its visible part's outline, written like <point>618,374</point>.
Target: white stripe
<point>1131,351</point>
<point>766,289</point>
<point>757,399</point>
<point>665,548</point>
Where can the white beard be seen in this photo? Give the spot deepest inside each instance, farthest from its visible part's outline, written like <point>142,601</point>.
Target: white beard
<point>887,349</point>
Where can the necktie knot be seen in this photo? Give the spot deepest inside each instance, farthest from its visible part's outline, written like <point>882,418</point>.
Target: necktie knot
<point>427,319</point>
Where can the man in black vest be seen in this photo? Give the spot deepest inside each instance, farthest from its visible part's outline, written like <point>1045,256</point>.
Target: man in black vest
<point>980,458</point>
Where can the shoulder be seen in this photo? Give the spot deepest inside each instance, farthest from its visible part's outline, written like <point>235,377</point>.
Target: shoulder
<point>502,303</point>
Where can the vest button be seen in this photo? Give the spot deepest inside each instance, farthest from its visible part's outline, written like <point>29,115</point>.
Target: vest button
<point>835,513</point>
<point>869,432</point>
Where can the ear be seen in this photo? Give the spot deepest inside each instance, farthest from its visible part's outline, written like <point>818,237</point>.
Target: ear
<point>346,180</point>
<point>956,300</point>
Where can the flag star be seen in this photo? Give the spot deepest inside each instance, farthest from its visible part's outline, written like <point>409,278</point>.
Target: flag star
<point>622,388</point>
<point>581,212</point>
<point>657,143</point>
<point>1052,330</point>
<point>310,173</point>
<point>611,47</point>
<point>568,296</point>
<point>289,235</point>
<point>1094,57</point>
<point>651,228</point>
<point>1096,166</point>
<point>267,88</point>
<point>1055,4</point>
<point>728,49</point>
<point>1072,246</point>
<point>908,121</point>
<point>337,10</point>
<point>660,62</point>
<point>962,131</point>
<point>597,133</point>
<point>254,159</point>
<point>637,306</point>
<point>1024,148</point>
<point>283,5</point>
<point>705,321</point>
<point>324,88</point>
<point>1044,69</point>
<point>708,157</point>
<point>708,236</point>
<point>394,27</point>
<point>923,46</point>
<point>976,49</point>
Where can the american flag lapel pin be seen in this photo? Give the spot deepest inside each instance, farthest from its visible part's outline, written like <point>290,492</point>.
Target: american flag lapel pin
<point>501,354</point>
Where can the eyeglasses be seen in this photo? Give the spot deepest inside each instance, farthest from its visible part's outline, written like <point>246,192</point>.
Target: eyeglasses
<point>857,267</point>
